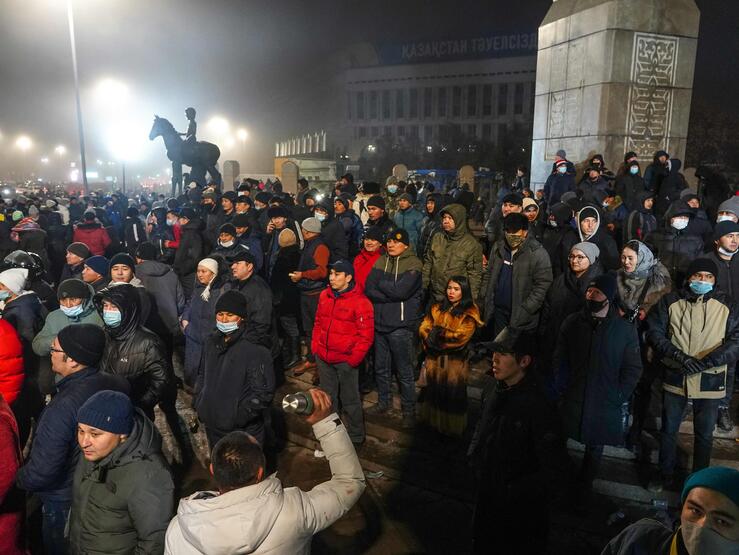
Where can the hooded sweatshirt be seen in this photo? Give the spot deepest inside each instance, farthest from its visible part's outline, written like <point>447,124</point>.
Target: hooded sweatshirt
<point>609,256</point>
<point>57,320</point>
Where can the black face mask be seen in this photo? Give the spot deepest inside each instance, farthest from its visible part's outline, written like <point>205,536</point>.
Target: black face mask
<point>596,306</point>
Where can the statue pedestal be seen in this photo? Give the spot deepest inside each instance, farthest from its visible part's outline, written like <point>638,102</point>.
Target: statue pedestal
<point>613,76</point>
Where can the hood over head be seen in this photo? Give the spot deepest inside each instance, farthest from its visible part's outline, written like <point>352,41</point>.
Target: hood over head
<point>126,298</point>
<point>588,212</point>
<point>562,214</point>
<point>459,215</point>
<point>645,258</point>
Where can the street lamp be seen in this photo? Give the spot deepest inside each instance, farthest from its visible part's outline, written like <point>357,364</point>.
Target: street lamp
<point>24,143</point>
<point>70,19</point>
<point>60,150</point>
<point>219,125</point>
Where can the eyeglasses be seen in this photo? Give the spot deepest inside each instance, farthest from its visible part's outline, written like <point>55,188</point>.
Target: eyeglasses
<point>577,257</point>
<point>53,350</point>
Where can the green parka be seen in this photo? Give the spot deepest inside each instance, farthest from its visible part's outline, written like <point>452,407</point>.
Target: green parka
<point>452,253</point>
<point>122,504</point>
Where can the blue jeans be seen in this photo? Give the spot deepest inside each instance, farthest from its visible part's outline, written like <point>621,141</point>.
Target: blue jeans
<point>395,349</point>
<point>704,419</point>
<point>54,515</point>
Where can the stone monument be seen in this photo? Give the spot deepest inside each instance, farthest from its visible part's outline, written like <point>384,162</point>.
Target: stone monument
<point>613,76</point>
<point>231,172</point>
<point>289,177</point>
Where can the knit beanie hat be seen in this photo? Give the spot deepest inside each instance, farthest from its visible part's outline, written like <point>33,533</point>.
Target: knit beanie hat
<point>230,195</point>
<point>287,238</point>
<point>606,284</point>
<point>312,225</point>
<point>374,233</point>
<point>697,265</point>
<point>263,196</point>
<point>242,220</point>
<point>724,228</point>
<point>122,258</point>
<point>212,265</point>
<point>376,200</point>
<point>406,196</point>
<point>73,289</point>
<point>33,211</point>
<point>84,343</point>
<point>590,250</point>
<point>718,478</point>
<point>132,212</point>
<point>277,212</point>
<point>228,229</point>
<point>89,215</point>
<point>17,215</point>
<point>512,198</point>
<point>14,279</point>
<point>98,264</point>
<point>110,411</point>
<point>146,251</point>
<point>80,249</point>
<point>344,199</point>
<point>400,235</point>
<point>515,221</point>
<point>233,302</point>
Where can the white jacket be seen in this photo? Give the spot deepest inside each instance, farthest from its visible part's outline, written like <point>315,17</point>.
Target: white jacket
<point>265,518</point>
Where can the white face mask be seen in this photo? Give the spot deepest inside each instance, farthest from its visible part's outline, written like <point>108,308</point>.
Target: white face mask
<point>680,223</point>
<point>700,540</point>
<point>723,251</point>
<point>227,244</point>
<point>724,218</point>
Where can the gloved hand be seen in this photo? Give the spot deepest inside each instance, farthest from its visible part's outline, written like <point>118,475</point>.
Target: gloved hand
<point>693,366</point>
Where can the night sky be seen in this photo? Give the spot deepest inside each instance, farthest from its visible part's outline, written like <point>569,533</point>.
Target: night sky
<point>256,63</point>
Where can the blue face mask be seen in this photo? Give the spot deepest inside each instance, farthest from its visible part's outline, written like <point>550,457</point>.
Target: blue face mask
<point>392,189</point>
<point>562,169</point>
<point>700,287</point>
<point>73,311</point>
<point>112,318</point>
<point>4,295</point>
<point>227,327</point>
<point>320,217</point>
<point>634,170</point>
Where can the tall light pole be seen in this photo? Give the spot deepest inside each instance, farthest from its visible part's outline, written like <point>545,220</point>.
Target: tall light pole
<point>70,18</point>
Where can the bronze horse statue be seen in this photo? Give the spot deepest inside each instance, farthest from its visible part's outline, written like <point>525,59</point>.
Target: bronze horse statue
<point>201,156</point>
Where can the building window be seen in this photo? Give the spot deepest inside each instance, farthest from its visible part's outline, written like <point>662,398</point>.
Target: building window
<point>502,99</point>
<point>387,131</point>
<point>374,131</point>
<point>441,102</point>
<point>413,131</point>
<point>456,102</point>
<point>413,103</point>
<point>427,108</point>
<point>472,131</point>
<point>400,103</point>
<point>360,105</point>
<point>502,132</point>
<point>373,104</point>
<point>401,131</point>
<point>487,132</point>
<point>487,100</point>
<point>362,132</point>
<point>385,104</point>
<point>518,98</point>
<point>472,100</point>
<point>428,133</point>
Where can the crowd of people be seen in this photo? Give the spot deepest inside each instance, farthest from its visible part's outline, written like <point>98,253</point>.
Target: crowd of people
<point>586,296</point>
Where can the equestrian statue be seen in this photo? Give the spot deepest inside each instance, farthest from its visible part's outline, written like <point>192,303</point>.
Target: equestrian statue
<point>201,156</point>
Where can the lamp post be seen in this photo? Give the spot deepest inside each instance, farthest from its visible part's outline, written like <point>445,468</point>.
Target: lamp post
<point>70,18</point>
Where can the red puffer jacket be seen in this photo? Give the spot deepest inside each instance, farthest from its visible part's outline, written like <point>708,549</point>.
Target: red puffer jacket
<point>11,499</point>
<point>11,362</point>
<point>344,327</point>
<point>93,235</point>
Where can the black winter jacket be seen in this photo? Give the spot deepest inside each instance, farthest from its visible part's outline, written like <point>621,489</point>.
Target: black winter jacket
<point>394,287</point>
<point>258,309</point>
<point>518,449</point>
<point>132,351</point>
<point>165,291</point>
<point>235,384</point>
<point>285,293</point>
<point>49,469</point>
<point>597,364</point>
<point>191,249</point>
<point>675,249</point>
